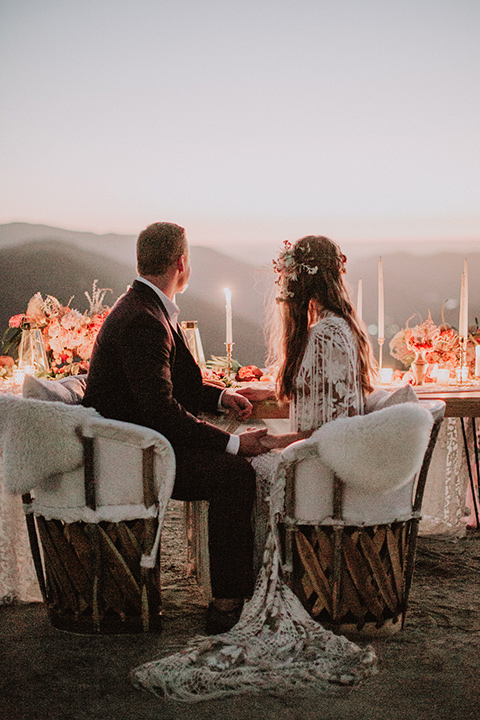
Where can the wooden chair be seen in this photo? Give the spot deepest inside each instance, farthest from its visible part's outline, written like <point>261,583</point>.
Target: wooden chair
<point>355,576</point>
<point>95,530</point>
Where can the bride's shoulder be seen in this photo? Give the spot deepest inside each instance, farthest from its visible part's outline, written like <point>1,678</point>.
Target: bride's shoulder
<point>330,323</point>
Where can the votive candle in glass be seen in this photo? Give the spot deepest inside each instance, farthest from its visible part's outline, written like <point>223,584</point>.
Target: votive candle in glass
<point>477,360</point>
<point>386,375</point>
<point>443,376</point>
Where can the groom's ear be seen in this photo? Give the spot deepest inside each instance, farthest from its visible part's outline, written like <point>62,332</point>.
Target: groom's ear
<point>181,263</point>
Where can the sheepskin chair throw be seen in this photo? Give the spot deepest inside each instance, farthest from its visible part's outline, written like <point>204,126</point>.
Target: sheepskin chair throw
<point>380,451</point>
<point>39,440</point>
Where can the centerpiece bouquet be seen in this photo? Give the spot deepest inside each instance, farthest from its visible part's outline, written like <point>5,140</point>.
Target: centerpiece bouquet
<point>427,343</point>
<point>68,334</point>
<point>217,372</point>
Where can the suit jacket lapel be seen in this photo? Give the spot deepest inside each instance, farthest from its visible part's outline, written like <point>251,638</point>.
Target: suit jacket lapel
<point>147,292</point>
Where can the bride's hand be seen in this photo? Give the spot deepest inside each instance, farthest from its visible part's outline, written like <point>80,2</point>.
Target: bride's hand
<point>258,392</point>
<point>277,442</point>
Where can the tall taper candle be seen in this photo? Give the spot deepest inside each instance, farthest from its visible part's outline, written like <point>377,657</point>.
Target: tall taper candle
<point>228,309</point>
<point>360,300</point>
<point>462,326</point>
<point>381,309</point>
<point>465,303</point>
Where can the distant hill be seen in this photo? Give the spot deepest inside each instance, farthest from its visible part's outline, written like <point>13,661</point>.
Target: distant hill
<point>62,270</point>
<point>117,247</point>
<point>64,263</point>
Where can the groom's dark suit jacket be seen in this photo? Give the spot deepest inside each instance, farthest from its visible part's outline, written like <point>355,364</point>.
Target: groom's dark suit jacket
<point>142,372</point>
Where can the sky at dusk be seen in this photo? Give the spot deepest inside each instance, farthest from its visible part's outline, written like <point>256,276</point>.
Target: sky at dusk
<point>247,122</point>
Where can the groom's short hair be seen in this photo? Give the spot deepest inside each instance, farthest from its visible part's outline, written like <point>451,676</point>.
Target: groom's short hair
<point>159,246</point>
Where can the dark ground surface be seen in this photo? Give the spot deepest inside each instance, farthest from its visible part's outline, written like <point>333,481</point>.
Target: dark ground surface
<point>430,671</point>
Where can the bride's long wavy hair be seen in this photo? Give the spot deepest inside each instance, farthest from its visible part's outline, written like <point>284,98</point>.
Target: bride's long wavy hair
<point>311,269</point>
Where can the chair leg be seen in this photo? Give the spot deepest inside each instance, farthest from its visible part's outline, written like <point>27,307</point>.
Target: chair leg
<point>34,547</point>
<point>337,572</point>
<point>409,565</point>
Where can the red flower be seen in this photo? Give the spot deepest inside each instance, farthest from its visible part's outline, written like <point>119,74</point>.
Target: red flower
<point>248,373</point>
<point>16,320</point>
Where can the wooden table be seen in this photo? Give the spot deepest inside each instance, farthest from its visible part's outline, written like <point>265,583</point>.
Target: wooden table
<point>460,404</point>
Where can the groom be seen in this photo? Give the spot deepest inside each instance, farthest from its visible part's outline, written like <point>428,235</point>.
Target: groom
<point>142,372</point>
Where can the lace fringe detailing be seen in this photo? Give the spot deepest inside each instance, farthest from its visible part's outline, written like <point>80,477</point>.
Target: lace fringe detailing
<point>275,647</point>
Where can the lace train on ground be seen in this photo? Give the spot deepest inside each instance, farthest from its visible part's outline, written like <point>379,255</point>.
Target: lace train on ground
<point>275,647</point>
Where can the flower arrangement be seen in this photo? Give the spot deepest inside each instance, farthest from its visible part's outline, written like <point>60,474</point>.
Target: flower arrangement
<point>68,334</point>
<point>216,372</point>
<point>439,345</point>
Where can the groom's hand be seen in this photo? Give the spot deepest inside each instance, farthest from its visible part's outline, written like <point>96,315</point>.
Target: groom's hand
<point>239,405</point>
<point>250,442</point>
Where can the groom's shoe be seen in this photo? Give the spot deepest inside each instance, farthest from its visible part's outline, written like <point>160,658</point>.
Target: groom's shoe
<point>221,621</point>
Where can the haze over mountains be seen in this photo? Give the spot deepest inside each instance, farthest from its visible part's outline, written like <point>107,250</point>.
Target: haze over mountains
<point>64,263</point>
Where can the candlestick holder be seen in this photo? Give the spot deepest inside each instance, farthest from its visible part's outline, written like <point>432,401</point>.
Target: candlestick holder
<point>463,369</point>
<point>229,347</point>
<point>380,352</point>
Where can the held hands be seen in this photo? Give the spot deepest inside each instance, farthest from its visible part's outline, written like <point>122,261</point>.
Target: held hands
<point>278,442</point>
<point>255,442</point>
<point>251,442</point>
<point>257,393</point>
<point>240,406</point>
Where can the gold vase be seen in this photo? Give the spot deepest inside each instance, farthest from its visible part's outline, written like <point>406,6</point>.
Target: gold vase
<point>419,367</point>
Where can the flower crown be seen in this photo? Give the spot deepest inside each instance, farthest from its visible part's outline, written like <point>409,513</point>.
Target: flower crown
<point>288,268</point>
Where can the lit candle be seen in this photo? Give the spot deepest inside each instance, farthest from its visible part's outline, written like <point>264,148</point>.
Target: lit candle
<point>228,308</point>
<point>465,305</point>
<point>477,360</point>
<point>463,318</point>
<point>434,372</point>
<point>381,311</point>
<point>386,375</point>
<point>360,300</point>
<point>18,376</point>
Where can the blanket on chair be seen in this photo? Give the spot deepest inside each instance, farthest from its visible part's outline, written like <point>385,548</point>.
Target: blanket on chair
<point>39,440</point>
<point>375,453</point>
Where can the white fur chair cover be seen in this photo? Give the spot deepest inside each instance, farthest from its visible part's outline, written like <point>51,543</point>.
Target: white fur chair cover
<point>376,455</point>
<point>118,476</point>
<point>39,440</point>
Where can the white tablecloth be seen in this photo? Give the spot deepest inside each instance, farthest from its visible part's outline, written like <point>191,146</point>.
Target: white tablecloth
<point>18,580</point>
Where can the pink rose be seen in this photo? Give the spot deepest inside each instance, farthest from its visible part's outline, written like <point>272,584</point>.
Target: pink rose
<point>16,320</point>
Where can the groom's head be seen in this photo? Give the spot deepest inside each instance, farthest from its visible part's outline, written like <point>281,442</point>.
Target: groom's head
<point>159,248</point>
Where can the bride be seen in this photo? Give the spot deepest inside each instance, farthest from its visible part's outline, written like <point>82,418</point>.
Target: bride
<point>325,369</point>
<point>324,358</point>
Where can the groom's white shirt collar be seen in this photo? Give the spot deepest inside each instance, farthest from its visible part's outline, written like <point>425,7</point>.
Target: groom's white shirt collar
<point>170,306</point>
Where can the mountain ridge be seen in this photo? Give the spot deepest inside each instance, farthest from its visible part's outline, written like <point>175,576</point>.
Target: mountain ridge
<point>62,263</point>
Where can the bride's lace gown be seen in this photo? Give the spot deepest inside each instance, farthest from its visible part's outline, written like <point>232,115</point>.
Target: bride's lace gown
<point>327,386</point>
<point>276,646</point>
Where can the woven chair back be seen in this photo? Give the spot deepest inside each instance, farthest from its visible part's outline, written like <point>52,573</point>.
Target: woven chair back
<point>90,574</point>
<point>354,579</point>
